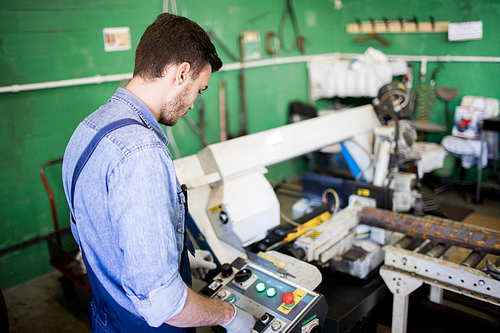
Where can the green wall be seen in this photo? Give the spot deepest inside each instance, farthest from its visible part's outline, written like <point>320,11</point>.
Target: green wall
<point>48,40</point>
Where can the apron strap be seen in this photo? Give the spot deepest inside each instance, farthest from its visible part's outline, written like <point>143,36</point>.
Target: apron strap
<point>82,161</point>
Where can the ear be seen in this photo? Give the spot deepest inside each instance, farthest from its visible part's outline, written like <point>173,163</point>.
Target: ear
<point>183,72</point>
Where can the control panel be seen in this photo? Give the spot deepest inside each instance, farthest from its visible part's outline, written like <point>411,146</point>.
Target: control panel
<point>278,304</point>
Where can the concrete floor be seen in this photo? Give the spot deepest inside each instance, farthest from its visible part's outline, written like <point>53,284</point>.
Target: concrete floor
<point>41,306</point>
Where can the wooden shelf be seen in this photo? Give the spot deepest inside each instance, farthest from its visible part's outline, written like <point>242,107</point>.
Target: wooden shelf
<point>394,26</point>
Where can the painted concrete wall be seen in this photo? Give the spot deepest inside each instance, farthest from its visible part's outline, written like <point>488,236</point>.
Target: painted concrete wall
<point>47,40</point>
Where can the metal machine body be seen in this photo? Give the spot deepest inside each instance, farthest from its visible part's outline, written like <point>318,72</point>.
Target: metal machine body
<point>231,201</point>
<point>279,304</point>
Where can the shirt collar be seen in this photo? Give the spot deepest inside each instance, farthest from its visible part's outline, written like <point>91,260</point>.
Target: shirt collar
<point>141,110</point>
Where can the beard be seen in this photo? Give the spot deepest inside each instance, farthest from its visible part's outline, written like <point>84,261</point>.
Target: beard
<point>174,109</point>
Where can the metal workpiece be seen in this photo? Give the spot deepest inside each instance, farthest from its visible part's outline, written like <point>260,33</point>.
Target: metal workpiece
<point>438,230</point>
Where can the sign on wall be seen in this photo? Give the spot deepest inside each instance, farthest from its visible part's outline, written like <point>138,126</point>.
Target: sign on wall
<point>116,39</point>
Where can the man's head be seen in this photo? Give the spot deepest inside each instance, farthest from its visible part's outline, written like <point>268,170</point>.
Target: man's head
<point>172,40</point>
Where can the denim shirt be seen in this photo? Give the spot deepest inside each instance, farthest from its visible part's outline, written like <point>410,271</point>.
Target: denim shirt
<point>129,210</point>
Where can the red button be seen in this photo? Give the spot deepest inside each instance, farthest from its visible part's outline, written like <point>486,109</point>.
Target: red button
<point>287,298</point>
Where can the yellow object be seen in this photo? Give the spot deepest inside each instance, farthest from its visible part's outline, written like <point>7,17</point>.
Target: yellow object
<point>275,261</point>
<point>306,226</point>
<point>364,192</point>
<point>215,209</point>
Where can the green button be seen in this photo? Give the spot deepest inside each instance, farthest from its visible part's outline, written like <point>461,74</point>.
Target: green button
<point>271,292</point>
<point>231,299</point>
<point>260,287</point>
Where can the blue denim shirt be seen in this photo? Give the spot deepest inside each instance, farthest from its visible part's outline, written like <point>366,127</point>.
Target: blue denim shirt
<point>129,211</point>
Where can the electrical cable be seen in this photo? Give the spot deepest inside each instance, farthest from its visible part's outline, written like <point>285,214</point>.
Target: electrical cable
<point>289,220</point>
<point>323,199</point>
<point>335,195</point>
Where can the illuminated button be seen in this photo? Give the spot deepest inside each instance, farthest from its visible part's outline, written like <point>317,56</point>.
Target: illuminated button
<point>271,292</point>
<point>221,293</point>
<point>260,287</point>
<point>287,298</point>
<point>231,299</point>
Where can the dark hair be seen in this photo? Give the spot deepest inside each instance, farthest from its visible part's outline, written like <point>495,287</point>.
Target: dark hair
<point>172,40</point>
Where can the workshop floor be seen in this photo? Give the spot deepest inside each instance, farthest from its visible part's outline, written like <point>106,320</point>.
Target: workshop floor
<point>41,306</point>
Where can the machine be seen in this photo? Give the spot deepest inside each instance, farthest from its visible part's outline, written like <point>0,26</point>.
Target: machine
<point>236,206</point>
<point>230,199</point>
<point>280,304</point>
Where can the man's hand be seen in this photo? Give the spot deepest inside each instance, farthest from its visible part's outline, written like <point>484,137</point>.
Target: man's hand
<point>201,263</point>
<point>242,322</point>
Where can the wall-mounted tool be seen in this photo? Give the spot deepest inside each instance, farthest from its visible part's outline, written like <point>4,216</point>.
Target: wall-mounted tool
<point>426,99</point>
<point>271,36</point>
<point>372,36</point>
<point>241,79</point>
<point>298,39</point>
<point>274,51</point>
<point>222,110</point>
<point>242,117</point>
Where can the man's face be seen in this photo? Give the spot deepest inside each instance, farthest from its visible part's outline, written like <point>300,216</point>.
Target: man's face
<point>183,101</point>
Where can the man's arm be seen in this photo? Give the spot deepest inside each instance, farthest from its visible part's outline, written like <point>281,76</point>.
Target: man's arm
<point>202,311</point>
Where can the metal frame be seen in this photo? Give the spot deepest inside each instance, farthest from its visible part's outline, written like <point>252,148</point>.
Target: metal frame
<point>404,271</point>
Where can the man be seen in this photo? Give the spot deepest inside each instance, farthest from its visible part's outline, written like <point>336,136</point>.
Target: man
<point>125,199</point>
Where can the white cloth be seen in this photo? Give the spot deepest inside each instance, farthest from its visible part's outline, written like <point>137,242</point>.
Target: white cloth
<point>468,150</point>
<point>360,77</point>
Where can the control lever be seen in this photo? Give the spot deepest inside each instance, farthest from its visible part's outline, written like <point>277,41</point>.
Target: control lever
<point>243,275</point>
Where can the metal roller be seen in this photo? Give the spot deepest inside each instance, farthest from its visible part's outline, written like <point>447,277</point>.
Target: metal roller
<point>473,259</point>
<point>437,250</point>
<point>404,243</point>
<point>442,231</point>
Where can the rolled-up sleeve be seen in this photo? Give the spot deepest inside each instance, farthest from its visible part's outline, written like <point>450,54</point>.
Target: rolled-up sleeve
<point>144,188</point>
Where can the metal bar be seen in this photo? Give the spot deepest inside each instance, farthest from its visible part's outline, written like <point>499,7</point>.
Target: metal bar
<point>436,295</point>
<point>443,231</point>
<point>400,313</point>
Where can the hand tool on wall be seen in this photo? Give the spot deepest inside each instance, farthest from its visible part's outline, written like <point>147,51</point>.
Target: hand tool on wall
<point>379,39</point>
<point>288,11</point>
<point>426,99</point>
<point>222,110</point>
<point>241,80</point>
<point>201,121</point>
<point>243,100</point>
